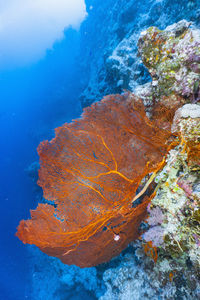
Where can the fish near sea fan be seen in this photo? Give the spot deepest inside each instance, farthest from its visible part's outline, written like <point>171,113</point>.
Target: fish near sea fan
<point>91,171</point>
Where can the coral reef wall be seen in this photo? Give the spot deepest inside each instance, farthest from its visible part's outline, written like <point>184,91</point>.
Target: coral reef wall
<point>109,35</point>
<point>109,62</point>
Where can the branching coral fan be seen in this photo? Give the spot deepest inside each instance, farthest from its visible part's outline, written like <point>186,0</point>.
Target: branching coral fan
<point>91,171</point>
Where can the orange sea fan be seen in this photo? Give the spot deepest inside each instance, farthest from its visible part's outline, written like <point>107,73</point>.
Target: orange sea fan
<point>91,171</point>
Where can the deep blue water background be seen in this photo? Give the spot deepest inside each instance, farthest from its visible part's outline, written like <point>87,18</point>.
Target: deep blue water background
<point>33,101</point>
<point>36,99</point>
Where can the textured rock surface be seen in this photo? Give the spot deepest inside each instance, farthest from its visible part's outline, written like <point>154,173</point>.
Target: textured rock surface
<point>108,53</point>
<point>172,57</point>
<point>139,278</point>
<point>173,228</point>
<point>52,280</point>
<point>188,111</point>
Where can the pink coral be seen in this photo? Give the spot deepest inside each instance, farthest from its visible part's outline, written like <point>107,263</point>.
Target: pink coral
<point>155,235</point>
<point>156,216</point>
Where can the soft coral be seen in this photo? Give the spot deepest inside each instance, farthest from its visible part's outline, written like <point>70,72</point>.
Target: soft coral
<point>91,171</point>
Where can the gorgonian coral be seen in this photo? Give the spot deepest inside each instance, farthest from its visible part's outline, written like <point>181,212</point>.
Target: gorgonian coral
<point>91,171</point>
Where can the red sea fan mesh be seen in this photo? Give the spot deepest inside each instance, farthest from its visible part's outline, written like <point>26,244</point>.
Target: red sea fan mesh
<point>91,171</point>
<point>163,111</point>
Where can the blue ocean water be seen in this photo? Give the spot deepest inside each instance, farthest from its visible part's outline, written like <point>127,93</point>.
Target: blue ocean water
<point>33,101</point>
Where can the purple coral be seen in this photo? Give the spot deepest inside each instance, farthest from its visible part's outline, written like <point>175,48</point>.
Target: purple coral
<point>194,57</point>
<point>185,186</point>
<point>155,235</point>
<point>155,216</point>
<point>197,239</point>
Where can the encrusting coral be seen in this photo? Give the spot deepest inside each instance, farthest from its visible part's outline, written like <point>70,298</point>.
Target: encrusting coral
<point>164,263</point>
<point>91,171</point>
<point>172,57</point>
<point>174,213</point>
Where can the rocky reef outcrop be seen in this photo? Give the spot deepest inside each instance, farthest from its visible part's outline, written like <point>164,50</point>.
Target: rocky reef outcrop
<point>109,55</point>
<point>164,264</point>
<point>172,57</point>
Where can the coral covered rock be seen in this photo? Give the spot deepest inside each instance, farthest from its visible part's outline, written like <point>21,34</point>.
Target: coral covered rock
<point>136,277</point>
<point>187,122</point>
<point>174,222</point>
<point>178,199</point>
<point>108,56</point>
<point>172,57</point>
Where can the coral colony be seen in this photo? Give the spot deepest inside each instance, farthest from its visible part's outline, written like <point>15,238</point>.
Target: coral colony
<point>91,171</point>
<point>129,168</point>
